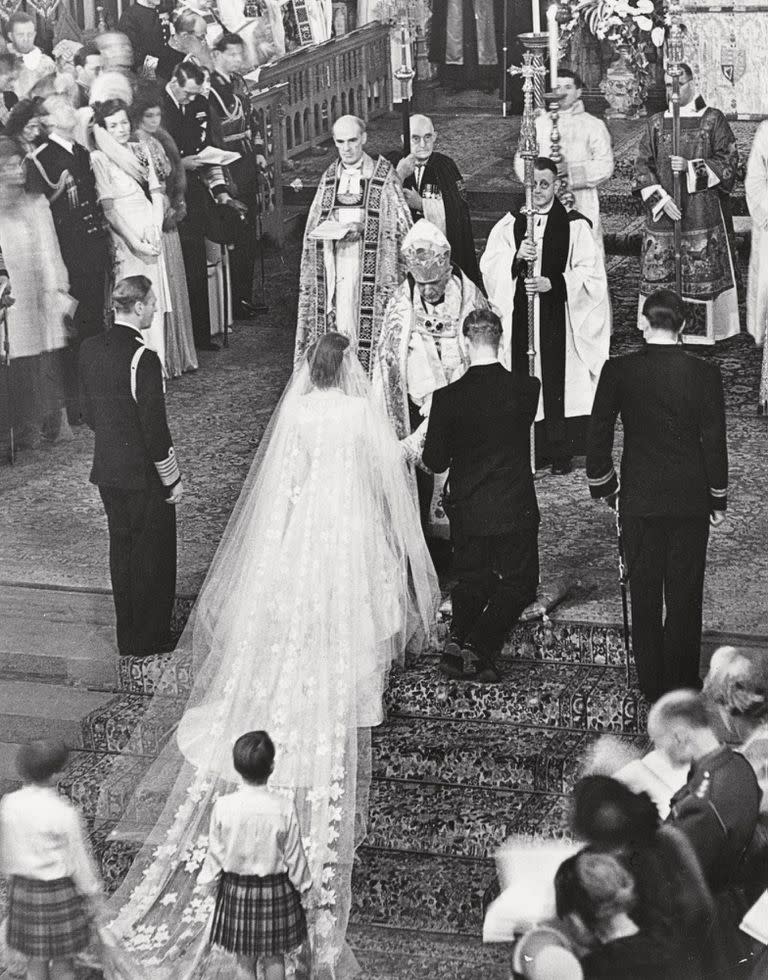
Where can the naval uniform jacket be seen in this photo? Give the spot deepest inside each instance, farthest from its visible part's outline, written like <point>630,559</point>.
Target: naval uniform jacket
<point>123,402</point>
<point>68,182</point>
<point>717,810</point>
<point>675,458</point>
<point>479,427</point>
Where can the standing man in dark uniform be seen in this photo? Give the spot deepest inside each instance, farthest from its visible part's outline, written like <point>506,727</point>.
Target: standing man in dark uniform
<point>674,480</point>
<point>141,24</point>
<point>135,469</point>
<point>479,428</point>
<point>187,117</point>
<point>61,169</point>
<point>231,106</point>
<point>434,189</point>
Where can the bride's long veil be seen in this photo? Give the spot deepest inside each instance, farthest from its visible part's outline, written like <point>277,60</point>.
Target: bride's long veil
<point>320,581</point>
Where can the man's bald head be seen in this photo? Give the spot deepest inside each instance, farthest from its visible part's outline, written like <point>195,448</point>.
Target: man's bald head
<point>350,136</point>
<point>422,137</point>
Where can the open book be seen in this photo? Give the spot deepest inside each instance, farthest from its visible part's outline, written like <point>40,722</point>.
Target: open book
<point>329,231</point>
<point>213,155</point>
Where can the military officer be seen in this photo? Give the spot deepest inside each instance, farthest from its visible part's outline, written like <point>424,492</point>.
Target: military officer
<point>674,485</point>
<point>231,106</point>
<point>718,807</point>
<point>135,469</point>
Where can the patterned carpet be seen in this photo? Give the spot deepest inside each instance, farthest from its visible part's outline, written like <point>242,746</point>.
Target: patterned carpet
<point>456,767</point>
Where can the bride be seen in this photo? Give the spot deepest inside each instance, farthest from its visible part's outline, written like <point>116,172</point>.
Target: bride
<point>321,581</point>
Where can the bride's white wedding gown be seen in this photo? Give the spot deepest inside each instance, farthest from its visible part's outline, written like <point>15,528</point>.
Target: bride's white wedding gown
<point>321,579</point>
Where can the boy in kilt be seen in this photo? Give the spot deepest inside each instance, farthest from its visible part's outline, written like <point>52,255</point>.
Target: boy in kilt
<point>256,858</point>
<point>54,889</point>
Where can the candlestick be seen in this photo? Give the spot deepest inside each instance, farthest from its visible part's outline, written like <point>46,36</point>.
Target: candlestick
<point>553,52</point>
<point>536,16</point>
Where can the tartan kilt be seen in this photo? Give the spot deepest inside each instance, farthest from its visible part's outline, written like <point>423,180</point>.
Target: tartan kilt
<point>257,916</point>
<point>47,919</point>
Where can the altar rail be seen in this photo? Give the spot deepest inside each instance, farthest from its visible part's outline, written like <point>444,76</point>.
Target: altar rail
<point>349,74</point>
<point>268,107</point>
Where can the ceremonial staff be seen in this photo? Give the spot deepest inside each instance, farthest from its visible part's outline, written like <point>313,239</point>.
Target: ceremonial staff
<point>675,70</point>
<point>528,149</point>
<point>405,75</point>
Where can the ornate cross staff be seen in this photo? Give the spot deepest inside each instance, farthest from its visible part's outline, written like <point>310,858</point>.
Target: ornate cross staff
<point>675,56</point>
<point>529,150</point>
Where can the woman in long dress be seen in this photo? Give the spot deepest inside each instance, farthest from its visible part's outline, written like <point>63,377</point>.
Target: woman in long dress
<point>756,189</point>
<point>180,353</point>
<point>133,209</point>
<point>321,581</point>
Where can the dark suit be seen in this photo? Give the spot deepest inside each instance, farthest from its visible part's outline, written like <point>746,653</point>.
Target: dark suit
<point>479,428</point>
<point>135,469</point>
<point>144,30</point>
<point>674,472</point>
<point>192,128</point>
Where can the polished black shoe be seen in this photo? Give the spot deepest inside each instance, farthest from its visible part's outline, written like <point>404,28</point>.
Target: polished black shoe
<point>561,467</point>
<point>209,346</point>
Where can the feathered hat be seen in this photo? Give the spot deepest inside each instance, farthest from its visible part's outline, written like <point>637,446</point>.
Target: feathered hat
<point>427,252</point>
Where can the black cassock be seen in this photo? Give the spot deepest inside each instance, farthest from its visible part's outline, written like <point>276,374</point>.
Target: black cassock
<point>442,172</point>
<point>556,435</point>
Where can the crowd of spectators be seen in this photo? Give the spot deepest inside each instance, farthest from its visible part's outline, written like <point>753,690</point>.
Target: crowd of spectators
<point>665,899</point>
<point>101,178</point>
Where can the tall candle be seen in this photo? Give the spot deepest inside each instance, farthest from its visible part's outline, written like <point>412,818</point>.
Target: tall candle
<point>536,17</point>
<point>552,31</point>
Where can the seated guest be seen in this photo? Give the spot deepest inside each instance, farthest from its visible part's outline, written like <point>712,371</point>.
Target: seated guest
<point>595,895</point>
<point>140,22</point>
<point>673,900</point>
<point>188,42</point>
<point>717,809</point>
<point>21,30</point>
<point>208,10</point>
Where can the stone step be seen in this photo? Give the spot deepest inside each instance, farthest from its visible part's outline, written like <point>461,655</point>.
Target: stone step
<point>484,754</point>
<point>458,821</point>
<point>56,634</point>
<point>552,695</point>
<point>411,890</point>
<point>31,710</point>
<point>419,891</point>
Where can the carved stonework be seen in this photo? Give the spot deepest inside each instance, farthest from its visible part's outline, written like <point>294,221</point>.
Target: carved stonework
<point>623,90</point>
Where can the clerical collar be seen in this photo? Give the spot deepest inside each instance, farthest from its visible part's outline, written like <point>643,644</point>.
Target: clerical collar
<point>483,361</point>
<point>68,145</point>
<point>130,326</point>
<point>663,343</point>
